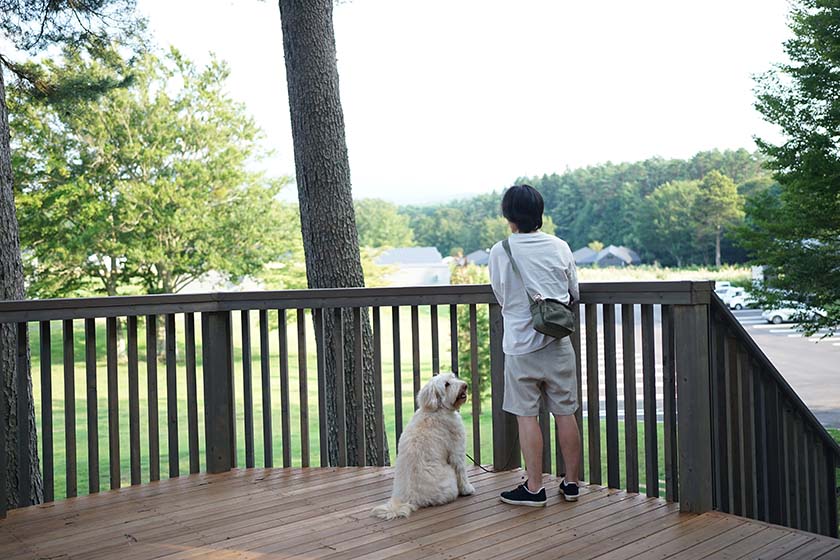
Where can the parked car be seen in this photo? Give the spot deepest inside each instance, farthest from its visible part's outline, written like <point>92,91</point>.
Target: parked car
<point>788,313</point>
<point>724,290</point>
<point>739,298</point>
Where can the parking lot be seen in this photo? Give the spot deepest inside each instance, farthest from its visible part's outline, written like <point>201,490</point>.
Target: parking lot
<point>811,365</point>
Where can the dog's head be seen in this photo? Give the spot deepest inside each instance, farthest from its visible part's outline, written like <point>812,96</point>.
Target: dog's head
<point>444,390</point>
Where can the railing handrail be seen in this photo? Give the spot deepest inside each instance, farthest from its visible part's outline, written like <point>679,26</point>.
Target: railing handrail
<point>11,311</point>
<point>745,338</point>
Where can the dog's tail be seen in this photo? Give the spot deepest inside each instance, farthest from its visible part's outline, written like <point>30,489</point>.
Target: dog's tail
<point>392,509</point>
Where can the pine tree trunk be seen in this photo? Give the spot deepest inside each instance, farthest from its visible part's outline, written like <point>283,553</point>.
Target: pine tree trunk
<point>327,218</point>
<point>717,246</point>
<point>11,287</point>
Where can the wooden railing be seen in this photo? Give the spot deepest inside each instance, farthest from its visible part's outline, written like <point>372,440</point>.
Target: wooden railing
<point>681,403</point>
<point>775,460</point>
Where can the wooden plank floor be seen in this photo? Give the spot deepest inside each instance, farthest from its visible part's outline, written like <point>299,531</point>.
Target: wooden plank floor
<point>325,513</point>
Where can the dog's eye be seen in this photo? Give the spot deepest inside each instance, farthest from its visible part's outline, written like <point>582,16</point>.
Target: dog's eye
<point>447,385</point>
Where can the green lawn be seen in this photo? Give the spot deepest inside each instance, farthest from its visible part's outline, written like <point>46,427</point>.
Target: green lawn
<point>389,399</point>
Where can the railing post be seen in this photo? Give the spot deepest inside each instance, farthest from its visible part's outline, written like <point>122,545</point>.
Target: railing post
<point>217,353</point>
<point>505,440</point>
<point>691,330</point>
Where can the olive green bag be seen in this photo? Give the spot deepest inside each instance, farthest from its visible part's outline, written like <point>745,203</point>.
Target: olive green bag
<point>550,316</point>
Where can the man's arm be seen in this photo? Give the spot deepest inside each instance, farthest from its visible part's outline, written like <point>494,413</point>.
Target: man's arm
<point>495,275</point>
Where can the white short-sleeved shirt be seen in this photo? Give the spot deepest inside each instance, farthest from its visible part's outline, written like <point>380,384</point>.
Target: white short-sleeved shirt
<point>548,267</point>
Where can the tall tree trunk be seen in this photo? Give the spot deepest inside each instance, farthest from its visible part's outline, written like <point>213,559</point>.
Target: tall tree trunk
<point>717,246</point>
<point>11,287</point>
<point>327,218</point>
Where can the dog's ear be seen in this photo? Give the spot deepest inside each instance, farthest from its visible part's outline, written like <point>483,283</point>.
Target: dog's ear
<point>428,397</point>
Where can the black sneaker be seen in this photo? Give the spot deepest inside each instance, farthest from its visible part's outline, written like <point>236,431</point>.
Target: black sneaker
<point>569,492</point>
<point>521,496</point>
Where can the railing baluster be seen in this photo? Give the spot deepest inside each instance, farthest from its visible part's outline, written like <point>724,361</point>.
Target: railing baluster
<point>649,392</point>
<point>593,404</point>
<point>265,369</point>
<point>631,442</point>
<point>476,390</point>
<point>719,415</point>
<point>802,478</point>
<point>359,386</point>
<point>24,436</point>
<point>192,390</point>
<point>152,389</point>
<point>285,412</point>
<point>379,416</point>
<point>788,484</point>
<point>611,395</point>
<point>133,401</point>
<point>735,431</point>
<point>795,471</point>
<point>579,384</point>
<point>303,387</point>
<point>435,341</point>
<point>453,337</point>
<point>46,412</point>
<point>415,351</point>
<point>800,490</point>
<point>747,430</point>
<point>816,482</point>
<point>398,400</point>
<point>321,351</point>
<point>247,388</point>
<point>832,495</point>
<point>340,402</point>
<point>810,457</point>
<point>760,455</point>
<point>92,406</point>
<point>775,482</point>
<point>172,397</point>
<point>669,406</point>
<point>113,402</point>
<point>70,472</point>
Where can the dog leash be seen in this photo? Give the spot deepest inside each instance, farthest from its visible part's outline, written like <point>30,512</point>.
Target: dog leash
<point>507,463</point>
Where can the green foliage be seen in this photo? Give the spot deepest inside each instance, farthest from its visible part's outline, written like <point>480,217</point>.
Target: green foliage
<point>493,230</point>
<point>666,225</point>
<point>795,230</point>
<point>381,225</point>
<point>608,202</point>
<point>150,183</point>
<point>717,206</point>
<point>472,274</point>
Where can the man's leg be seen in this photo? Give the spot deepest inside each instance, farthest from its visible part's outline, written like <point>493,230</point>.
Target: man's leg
<point>567,431</point>
<point>530,440</point>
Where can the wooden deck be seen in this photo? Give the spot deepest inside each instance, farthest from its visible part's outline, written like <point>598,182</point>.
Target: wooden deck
<point>324,513</point>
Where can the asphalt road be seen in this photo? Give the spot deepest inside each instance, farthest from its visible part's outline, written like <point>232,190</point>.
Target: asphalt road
<point>810,365</point>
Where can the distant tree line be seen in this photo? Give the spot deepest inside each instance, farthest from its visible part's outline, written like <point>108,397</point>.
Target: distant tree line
<point>673,211</point>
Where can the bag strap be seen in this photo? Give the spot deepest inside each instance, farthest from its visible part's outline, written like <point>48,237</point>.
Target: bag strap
<point>506,246</point>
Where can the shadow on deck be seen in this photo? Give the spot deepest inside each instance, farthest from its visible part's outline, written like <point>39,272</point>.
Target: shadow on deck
<point>325,513</point>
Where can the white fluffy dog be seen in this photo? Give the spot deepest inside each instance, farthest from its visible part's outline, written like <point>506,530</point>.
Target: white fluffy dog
<point>431,469</point>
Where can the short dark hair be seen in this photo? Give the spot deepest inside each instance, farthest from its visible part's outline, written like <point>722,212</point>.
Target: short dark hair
<point>523,205</point>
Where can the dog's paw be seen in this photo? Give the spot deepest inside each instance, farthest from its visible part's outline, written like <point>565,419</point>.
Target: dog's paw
<point>467,490</point>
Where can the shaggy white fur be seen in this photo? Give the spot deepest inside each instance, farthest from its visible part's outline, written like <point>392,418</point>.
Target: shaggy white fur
<point>431,467</point>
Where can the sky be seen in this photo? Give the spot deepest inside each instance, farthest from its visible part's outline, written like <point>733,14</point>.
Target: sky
<point>451,98</point>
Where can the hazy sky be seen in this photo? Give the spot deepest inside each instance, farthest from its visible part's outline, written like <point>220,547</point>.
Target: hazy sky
<point>457,97</point>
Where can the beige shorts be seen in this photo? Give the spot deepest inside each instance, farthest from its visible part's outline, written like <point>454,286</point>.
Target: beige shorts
<point>548,372</point>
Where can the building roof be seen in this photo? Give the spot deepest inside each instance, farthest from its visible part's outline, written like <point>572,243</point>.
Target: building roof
<point>480,257</point>
<point>584,255</point>
<point>623,253</point>
<point>410,255</point>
